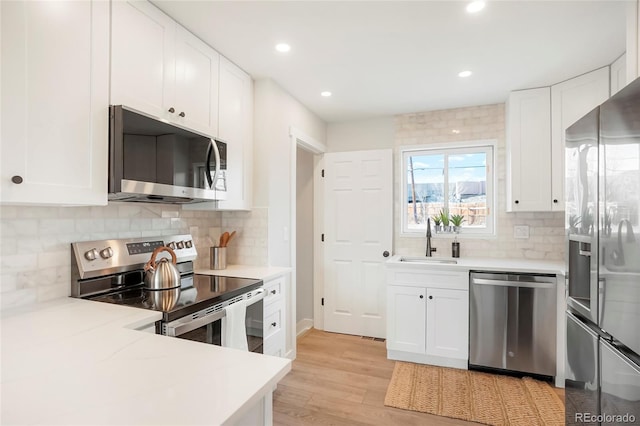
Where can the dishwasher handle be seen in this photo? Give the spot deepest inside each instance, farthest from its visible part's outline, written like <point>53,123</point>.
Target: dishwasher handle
<point>510,283</point>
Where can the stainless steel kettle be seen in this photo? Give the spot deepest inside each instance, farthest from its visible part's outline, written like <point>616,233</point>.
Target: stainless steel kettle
<point>163,274</point>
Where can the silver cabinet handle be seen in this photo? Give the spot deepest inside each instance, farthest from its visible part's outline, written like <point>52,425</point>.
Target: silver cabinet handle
<point>584,253</point>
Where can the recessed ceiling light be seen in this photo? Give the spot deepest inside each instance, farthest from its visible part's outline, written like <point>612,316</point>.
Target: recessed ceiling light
<point>283,47</point>
<point>464,74</point>
<point>455,131</point>
<point>326,94</point>
<point>475,6</point>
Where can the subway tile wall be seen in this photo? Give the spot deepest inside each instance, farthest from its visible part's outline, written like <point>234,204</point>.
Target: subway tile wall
<point>546,239</point>
<point>249,246</point>
<point>35,252</point>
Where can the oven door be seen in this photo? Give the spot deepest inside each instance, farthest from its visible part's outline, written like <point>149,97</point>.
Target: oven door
<point>207,326</point>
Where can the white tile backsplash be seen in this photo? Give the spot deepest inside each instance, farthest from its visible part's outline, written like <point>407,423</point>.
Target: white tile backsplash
<point>546,239</point>
<point>35,253</point>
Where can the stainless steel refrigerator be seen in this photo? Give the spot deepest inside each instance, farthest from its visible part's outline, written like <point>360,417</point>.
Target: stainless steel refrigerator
<point>602,172</point>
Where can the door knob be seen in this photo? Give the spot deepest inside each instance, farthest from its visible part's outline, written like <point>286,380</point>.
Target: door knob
<point>385,253</point>
<point>421,297</point>
<point>172,110</point>
<point>16,179</point>
<point>182,114</point>
<point>430,297</point>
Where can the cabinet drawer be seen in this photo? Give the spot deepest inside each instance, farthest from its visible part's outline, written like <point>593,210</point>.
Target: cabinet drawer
<point>274,289</point>
<point>430,278</point>
<point>272,319</point>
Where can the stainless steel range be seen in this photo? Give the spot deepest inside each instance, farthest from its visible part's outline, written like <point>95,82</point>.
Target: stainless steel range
<point>112,271</point>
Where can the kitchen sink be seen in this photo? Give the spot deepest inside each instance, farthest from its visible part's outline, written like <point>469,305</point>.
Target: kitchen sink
<point>427,260</point>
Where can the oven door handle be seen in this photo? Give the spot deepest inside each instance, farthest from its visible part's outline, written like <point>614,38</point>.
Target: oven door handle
<point>260,294</point>
<point>178,328</point>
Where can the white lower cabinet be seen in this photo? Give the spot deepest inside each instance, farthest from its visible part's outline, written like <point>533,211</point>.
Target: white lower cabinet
<point>448,323</point>
<point>274,320</point>
<point>428,318</point>
<point>406,325</point>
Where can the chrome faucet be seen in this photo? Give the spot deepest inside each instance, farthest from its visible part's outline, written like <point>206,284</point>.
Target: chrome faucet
<point>429,248</point>
<point>618,254</point>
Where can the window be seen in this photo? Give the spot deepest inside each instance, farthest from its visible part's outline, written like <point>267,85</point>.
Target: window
<point>457,180</point>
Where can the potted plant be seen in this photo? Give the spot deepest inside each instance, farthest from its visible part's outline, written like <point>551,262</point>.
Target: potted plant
<point>436,223</point>
<point>457,220</point>
<point>444,218</point>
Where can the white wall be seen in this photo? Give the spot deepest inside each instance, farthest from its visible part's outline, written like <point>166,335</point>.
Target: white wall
<point>377,133</point>
<point>304,235</point>
<point>275,112</point>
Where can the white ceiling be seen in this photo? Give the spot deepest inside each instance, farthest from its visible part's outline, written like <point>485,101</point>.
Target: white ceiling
<point>390,57</point>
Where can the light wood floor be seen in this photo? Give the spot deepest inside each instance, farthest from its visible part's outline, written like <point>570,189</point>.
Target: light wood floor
<point>339,379</point>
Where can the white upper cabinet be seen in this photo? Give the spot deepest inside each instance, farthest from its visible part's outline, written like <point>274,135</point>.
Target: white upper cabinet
<point>536,123</point>
<point>236,123</point>
<point>159,68</point>
<point>529,150</point>
<point>570,101</point>
<point>196,90</point>
<point>54,102</point>
<point>142,58</point>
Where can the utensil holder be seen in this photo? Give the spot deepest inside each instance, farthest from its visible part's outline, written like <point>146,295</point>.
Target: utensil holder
<point>218,257</point>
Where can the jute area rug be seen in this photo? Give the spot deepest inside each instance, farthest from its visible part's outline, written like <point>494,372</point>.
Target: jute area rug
<point>473,396</point>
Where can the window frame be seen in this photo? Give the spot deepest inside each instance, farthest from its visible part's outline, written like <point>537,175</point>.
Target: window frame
<point>489,146</point>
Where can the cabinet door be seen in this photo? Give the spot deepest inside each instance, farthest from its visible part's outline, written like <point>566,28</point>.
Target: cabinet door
<point>236,116</point>
<point>143,58</point>
<point>570,100</point>
<point>196,91</point>
<point>448,323</point>
<point>55,96</point>
<point>406,319</point>
<point>529,150</point>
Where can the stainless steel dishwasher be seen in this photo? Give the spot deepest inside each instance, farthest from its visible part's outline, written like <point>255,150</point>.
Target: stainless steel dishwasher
<point>512,323</point>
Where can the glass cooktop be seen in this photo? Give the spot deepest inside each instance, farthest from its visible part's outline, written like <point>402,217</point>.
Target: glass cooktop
<point>197,292</point>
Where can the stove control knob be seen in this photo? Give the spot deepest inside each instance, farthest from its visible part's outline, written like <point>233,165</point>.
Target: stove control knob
<point>188,244</point>
<point>91,255</point>
<point>106,253</point>
<point>172,245</point>
<point>180,244</point>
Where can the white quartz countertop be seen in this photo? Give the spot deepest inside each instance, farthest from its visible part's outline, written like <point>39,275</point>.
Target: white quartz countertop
<point>484,264</point>
<point>73,361</point>
<point>245,271</point>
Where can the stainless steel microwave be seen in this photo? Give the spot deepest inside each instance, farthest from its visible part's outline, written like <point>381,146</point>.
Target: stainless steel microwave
<point>153,161</point>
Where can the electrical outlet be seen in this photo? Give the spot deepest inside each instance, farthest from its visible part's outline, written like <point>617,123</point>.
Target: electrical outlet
<point>521,231</point>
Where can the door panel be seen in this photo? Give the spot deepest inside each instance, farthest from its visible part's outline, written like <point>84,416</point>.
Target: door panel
<point>358,229</point>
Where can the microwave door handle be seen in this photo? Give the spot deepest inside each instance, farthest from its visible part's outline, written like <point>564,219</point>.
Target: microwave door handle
<point>213,147</point>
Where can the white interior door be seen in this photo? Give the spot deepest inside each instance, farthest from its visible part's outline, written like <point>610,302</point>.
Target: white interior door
<point>358,231</point>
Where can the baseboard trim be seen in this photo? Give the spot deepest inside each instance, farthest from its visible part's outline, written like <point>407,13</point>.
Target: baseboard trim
<point>303,326</point>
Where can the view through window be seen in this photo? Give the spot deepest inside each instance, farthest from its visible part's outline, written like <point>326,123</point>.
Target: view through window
<point>456,182</point>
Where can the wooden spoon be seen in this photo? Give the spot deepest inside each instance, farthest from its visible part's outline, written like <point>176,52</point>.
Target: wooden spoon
<point>223,239</point>
<point>230,237</point>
